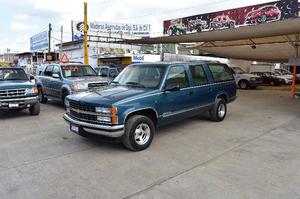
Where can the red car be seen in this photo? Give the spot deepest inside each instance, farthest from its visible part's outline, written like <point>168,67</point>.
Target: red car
<point>263,14</point>
<point>268,78</point>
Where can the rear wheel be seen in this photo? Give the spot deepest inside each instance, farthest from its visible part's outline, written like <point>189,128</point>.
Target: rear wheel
<point>35,109</point>
<point>219,111</point>
<point>139,132</point>
<point>243,84</point>
<point>42,97</point>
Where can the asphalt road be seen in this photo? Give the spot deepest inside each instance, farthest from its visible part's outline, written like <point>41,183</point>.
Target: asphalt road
<point>254,153</point>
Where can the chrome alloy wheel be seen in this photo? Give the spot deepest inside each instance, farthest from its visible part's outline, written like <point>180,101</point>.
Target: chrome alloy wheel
<point>221,110</point>
<point>142,134</point>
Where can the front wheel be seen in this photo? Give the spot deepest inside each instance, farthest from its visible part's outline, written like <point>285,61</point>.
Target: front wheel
<point>243,84</point>
<point>139,132</point>
<point>35,109</point>
<point>219,110</point>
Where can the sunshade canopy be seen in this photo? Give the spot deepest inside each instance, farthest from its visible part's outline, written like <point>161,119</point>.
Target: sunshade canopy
<point>272,42</point>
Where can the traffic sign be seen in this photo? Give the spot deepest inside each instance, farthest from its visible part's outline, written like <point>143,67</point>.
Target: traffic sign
<point>64,59</point>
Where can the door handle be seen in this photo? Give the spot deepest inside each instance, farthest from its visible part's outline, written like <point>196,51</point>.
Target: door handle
<point>191,93</point>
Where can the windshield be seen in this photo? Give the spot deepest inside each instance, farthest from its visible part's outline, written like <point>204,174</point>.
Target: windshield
<point>77,71</point>
<point>12,74</point>
<point>144,76</point>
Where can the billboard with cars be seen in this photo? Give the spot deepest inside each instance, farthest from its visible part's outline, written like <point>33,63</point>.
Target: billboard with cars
<point>245,16</point>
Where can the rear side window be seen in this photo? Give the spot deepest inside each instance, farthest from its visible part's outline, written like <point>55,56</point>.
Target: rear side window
<point>199,75</point>
<point>220,72</point>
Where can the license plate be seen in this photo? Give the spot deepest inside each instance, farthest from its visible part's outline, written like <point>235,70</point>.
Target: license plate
<point>74,128</point>
<point>13,105</point>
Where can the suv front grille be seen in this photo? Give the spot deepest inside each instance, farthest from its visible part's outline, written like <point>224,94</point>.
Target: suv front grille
<point>96,85</point>
<point>12,92</point>
<point>78,106</point>
<point>83,116</point>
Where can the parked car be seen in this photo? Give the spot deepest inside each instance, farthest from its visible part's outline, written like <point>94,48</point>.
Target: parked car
<point>222,21</point>
<point>60,80</point>
<point>107,72</point>
<point>246,80</point>
<point>264,14</point>
<point>270,78</point>
<point>17,91</point>
<point>287,74</point>
<point>146,96</point>
<point>288,79</point>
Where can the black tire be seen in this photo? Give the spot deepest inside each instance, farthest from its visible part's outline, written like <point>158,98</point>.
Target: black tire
<point>215,114</point>
<point>243,84</point>
<point>35,109</point>
<point>42,97</point>
<point>131,125</point>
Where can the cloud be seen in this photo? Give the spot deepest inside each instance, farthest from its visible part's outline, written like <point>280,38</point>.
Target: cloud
<point>19,26</point>
<point>22,16</point>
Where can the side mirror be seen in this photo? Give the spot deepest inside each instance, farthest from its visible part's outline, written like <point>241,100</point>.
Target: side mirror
<point>172,87</point>
<point>55,75</point>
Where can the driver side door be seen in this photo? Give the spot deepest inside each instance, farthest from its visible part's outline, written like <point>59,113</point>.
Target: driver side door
<point>174,105</point>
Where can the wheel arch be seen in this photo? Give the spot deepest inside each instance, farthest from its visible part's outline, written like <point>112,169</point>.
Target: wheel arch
<point>223,95</point>
<point>149,112</point>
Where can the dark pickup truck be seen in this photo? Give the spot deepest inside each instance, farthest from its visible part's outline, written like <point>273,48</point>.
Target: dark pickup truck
<point>60,80</point>
<point>146,96</point>
<point>17,92</point>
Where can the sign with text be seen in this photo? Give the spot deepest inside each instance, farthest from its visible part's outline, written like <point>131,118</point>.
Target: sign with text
<point>109,28</point>
<point>233,18</point>
<point>39,42</point>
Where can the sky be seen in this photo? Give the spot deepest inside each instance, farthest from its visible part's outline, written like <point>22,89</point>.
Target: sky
<point>21,19</point>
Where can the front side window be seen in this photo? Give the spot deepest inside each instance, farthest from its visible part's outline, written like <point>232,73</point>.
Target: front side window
<point>12,74</point>
<point>198,75</point>
<point>177,76</point>
<point>48,71</point>
<point>220,72</point>
<point>56,70</point>
<point>144,76</point>
<point>77,71</point>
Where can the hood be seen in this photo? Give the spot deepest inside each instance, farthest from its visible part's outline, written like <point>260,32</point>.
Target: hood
<point>87,79</point>
<point>107,95</point>
<point>15,84</point>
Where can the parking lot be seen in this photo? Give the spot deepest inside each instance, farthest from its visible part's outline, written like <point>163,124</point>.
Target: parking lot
<point>254,153</point>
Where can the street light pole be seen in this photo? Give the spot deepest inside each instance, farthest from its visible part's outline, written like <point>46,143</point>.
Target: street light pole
<point>85,43</point>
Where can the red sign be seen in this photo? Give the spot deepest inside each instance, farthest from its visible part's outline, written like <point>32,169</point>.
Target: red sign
<point>64,59</point>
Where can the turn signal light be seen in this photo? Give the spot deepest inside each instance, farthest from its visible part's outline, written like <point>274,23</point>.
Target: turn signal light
<point>114,120</point>
<point>36,90</point>
<point>114,111</point>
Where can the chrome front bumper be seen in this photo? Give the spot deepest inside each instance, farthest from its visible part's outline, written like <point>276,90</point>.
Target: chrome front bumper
<point>26,99</point>
<point>105,130</point>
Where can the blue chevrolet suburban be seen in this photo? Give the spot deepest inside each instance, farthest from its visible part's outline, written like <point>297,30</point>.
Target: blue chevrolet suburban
<point>17,92</point>
<point>146,96</point>
<point>60,80</point>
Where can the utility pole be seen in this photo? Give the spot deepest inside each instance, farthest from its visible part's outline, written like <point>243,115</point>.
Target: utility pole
<point>85,43</point>
<point>49,38</point>
<point>61,40</point>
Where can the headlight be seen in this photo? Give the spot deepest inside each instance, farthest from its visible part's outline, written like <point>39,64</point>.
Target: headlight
<point>33,90</point>
<point>104,119</point>
<point>79,86</point>
<point>103,110</point>
<point>253,79</point>
<point>67,103</point>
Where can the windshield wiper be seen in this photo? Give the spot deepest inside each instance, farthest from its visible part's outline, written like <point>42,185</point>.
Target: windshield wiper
<point>135,84</point>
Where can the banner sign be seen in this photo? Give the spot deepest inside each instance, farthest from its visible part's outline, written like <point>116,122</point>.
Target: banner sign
<point>109,28</point>
<point>233,18</point>
<point>39,42</point>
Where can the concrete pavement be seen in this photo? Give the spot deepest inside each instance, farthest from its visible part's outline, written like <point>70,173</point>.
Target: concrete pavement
<point>254,153</point>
